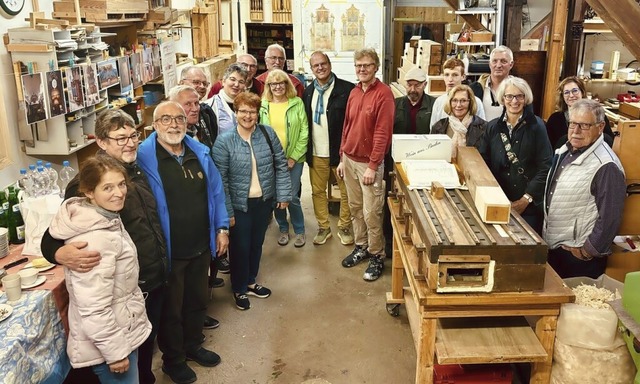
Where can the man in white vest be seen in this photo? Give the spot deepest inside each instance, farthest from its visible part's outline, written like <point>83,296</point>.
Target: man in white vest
<point>584,196</point>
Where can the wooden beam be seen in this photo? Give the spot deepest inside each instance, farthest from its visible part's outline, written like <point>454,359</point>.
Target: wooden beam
<point>537,32</point>
<point>472,20</point>
<point>622,18</point>
<point>554,56</point>
<point>513,17</point>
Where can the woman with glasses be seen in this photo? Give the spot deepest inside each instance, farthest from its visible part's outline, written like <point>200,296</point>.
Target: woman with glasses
<point>284,111</point>
<point>463,125</point>
<point>516,149</point>
<point>233,83</point>
<point>255,178</point>
<point>569,91</point>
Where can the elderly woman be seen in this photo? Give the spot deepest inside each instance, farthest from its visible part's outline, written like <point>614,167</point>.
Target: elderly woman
<point>233,83</point>
<point>255,177</point>
<point>516,148</point>
<point>569,91</point>
<point>284,111</point>
<point>462,125</point>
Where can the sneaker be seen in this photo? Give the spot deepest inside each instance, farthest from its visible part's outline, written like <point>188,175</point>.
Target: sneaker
<point>242,301</point>
<point>357,255</point>
<point>345,235</point>
<point>322,236</point>
<point>210,323</point>
<point>216,282</point>
<point>204,357</point>
<point>375,268</point>
<point>179,373</point>
<point>223,265</point>
<point>259,291</point>
<point>284,238</point>
<point>301,240</point>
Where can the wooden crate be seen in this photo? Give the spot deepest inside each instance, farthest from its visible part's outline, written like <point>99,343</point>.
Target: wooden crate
<point>205,31</point>
<point>102,10</point>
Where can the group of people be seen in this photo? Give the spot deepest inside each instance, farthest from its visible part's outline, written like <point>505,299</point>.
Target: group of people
<point>145,227</point>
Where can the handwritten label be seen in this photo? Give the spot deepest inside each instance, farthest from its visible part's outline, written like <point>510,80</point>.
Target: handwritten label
<point>430,145</point>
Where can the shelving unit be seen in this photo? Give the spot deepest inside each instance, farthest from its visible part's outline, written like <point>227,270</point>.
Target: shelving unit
<point>261,35</point>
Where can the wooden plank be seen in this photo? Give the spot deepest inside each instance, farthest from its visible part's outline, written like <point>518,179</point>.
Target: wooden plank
<point>29,48</point>
<point>513,19</point>
<point>545,331</point>
<point>554,56</point>
<point>205,35</point>
<point>494,339</point>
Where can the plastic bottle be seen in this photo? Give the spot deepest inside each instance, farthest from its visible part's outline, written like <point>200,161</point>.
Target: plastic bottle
<point>16,224</point>
<point>66,174</point>
<point>25,183</point>
<point>54,189</point>
<point>40,182</point>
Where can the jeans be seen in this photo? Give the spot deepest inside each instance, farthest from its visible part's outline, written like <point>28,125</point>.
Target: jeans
<point>246,238</point>
<point>130,377</point>
<point>295,209</point>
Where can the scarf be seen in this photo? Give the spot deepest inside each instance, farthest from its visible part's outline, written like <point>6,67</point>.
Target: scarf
<point>459,128</point>
<point>320,104</point>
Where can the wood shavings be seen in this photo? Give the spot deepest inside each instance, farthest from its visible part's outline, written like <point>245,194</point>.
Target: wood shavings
<point>592,296</point>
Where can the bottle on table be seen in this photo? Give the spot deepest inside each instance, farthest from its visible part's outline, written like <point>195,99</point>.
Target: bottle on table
<point>66,174</point>
<point>40,182</point>
<point>24,183</point>
<point>14,219</point>
<point>54,189</point>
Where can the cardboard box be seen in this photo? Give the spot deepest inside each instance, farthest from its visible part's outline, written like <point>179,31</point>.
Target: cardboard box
<point>630,109</point>
<point>453,27</point>
<point>420,147</point>
<point>621,262</point>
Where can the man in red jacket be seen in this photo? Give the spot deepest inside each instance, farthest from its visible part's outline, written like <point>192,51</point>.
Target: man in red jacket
<point>366,137</point>
<point>275,57</point>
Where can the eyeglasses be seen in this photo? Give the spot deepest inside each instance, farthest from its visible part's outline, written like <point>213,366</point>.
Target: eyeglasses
<point>122,141</point>
<point>233,79</point>
<point>166,119</point>
<point>364,66</point>
<point>459,101</point>
<point>583,126</point>
<point>276,85</point>
<point>198,82</point>
<point>320,65</point>
<point>275,58</point>
<point>250,66</point>
<point>245,112</point>
<point>574,91</point>
<point>509,97</point>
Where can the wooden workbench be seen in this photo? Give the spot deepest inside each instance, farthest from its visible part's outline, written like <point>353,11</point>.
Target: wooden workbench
<point>474,328</point>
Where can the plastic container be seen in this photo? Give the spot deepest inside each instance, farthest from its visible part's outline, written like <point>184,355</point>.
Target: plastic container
<point>66,174</point>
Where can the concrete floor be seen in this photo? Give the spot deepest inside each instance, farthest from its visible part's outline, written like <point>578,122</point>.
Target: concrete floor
<point>322,324</point>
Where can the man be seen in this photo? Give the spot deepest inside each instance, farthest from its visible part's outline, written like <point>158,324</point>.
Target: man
<point>584,196</point>
<point>275,57</point>
<point>366,138</point>
<point>414,111</point>
<point>486,88</point>
<point>453,73</point>
<point>117,137</point>
<point>196,78</point>
<point>202,120</point>
<point>254,85</point>
<point>325,101</point>
<point>193,217</point>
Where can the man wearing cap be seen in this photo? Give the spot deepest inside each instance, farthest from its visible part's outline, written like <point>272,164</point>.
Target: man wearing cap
<point>413,111</point>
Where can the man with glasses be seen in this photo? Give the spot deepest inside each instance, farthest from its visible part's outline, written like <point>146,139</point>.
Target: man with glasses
<point>366,138</point>
<point>254,85</point>
<point>486,88</point>
<point>117,137</point>
<point>196,78</point>
<point>325,101</point>
<point>201,120</point>
<point>275,57</point>
<point>584,196</point>
<point>193,217</point>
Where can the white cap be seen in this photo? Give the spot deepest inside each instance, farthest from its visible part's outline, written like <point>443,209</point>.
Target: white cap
<point>416,74</point>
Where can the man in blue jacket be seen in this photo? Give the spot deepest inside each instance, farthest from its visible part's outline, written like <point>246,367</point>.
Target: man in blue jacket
<point>193,217</point>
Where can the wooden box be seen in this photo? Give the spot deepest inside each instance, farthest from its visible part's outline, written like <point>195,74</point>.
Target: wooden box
<point>630,109</point>
<point>627,147</point>
<point>481,36</point>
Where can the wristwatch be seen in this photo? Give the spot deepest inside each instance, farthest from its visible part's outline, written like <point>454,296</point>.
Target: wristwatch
<point>528,197</point>
<point>224,231</point>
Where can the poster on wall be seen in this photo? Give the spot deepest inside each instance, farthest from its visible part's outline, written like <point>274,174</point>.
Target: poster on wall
<point>147,65</point>
<point>75,91</point>
<point>125,74</point>
<point>33,91</point>
<point>55,92</point>
<point>108,73</point>
<point>168,55</point>
<point>136,69</point>
<point>90,77</point>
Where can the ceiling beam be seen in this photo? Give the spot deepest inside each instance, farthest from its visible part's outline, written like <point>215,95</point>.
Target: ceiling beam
<point>554,55</point>
<point>622,17</point>
<point>472,20</point>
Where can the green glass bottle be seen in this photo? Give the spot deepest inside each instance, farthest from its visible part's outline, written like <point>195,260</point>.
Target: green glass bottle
<point>15,221</point>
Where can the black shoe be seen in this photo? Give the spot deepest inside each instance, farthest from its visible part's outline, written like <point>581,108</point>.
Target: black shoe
<point>210,323</point>
<point>242,301</point>
<point>216,282</point>
<point>357,255</point>
<point>223,265</point>
<point>204,357</point>
<point>179,373</point>
<point>375,268</point>
<point>259,291</point>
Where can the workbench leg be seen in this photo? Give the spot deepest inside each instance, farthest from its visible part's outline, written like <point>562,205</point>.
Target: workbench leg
<point>397,272</point>
<point>426,351</point>
<point>546,333</point>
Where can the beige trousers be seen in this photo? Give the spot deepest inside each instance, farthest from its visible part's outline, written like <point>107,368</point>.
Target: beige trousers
<point>319,175</point>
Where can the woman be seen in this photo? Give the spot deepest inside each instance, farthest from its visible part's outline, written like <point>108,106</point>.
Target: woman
<point>462,125</point>
<point>569,91</point>
<point>107,318</point>
<point>233,83</point>
<point>516,148</point>
<point>284,111</point>
<point>255,178</point>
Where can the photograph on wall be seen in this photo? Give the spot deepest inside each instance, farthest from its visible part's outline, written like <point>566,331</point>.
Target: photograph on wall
<point>125,74</point>
<point>75,91</point>
<point>55,91</point>
<point>90,77</point>
<point>108,73</point>
<point>168,58</point>
<point>33,91</point>
<point>157,65</point>
<point>147,64</point>
<point>136,69</point>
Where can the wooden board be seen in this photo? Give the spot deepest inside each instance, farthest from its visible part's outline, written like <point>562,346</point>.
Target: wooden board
<point>627,147</point>
<point>205,34</point>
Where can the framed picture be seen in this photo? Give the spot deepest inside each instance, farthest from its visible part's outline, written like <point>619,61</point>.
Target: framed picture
<point>75,91</point>
<point>55,92</point>
<point>33,91</point>
<point>125,74</point>
<point>136,69</point>
<point>90,77</point>
<point>108,73</point>
<point>147,65</point>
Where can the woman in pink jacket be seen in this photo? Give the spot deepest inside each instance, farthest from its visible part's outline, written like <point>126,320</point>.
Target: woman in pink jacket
<point>107,318</point>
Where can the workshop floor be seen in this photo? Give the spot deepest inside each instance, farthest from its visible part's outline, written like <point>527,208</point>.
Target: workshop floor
<point>322,324</point>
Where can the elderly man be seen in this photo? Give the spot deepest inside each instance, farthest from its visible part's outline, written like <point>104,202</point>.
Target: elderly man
<point>500,64</point>
<point>413,111</point>
<point>117,137</point>
<point>584,196</point>
<point>196,78</point>
<point>275,57</point>
<point>254,85</point>
<point>325,101</point>
<point>366,138</point>
<point>191,206</point>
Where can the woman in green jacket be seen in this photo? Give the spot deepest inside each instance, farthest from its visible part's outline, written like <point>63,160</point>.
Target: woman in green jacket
<point>284,111</point>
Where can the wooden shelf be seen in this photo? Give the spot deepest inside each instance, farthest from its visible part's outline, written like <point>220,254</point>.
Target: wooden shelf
<point>79,147</point>
<point>472,43</point>
<point>476,11</point>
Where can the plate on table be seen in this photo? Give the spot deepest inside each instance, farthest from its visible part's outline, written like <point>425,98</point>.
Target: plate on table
<point>41,269</point>
<point>5,311</point>
<point>39,280</point>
